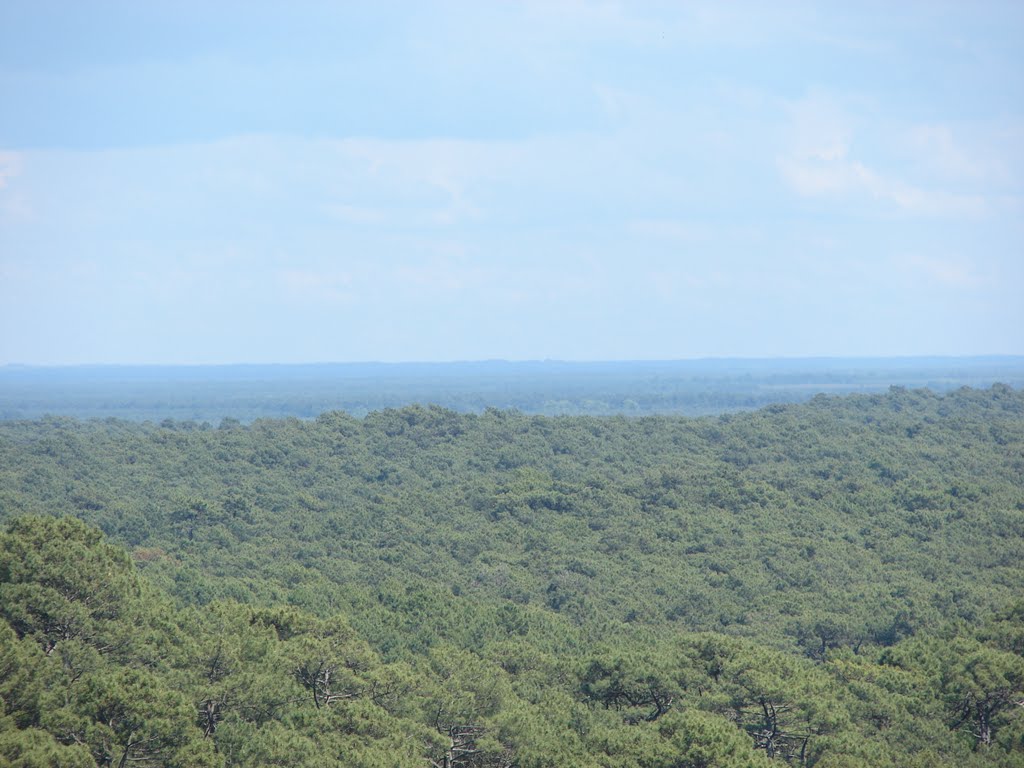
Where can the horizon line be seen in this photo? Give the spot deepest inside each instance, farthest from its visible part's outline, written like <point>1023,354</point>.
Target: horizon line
<point>522,361</point>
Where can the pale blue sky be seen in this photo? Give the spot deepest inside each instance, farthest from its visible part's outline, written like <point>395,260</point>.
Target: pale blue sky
<point>197,182</point>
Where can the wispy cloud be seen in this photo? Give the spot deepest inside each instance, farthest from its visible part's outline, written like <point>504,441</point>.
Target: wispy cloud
<point>10,165</point>
<point>358,214</point>
<point>441,176</point>
<point>320,286</point>
<point>954,273</point>
<point>842,176</point>
<point>985,153</point>
<point>13,203</point>
<point>821,162</point>
<point>449,278</point>
<point>673,230</point>
<point>937,146</point>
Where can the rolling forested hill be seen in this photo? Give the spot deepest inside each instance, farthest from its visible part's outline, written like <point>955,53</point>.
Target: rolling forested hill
<point>836,583</point>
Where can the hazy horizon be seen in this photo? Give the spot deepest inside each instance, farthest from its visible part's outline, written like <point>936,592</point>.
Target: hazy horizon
<point>681,361</point>
<point>206,394</point>
<point>233,183</point>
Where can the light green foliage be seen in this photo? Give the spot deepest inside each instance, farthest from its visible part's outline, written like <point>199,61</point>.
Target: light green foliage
<point>58,583</point>
<point>698,740</point>
<point>127,715</point>
<point>35,748</point>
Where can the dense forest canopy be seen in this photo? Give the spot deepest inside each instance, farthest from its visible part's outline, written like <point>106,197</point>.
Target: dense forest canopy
<point>836,583</point>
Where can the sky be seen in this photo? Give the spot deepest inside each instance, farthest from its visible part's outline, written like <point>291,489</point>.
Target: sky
<point>196,182</point>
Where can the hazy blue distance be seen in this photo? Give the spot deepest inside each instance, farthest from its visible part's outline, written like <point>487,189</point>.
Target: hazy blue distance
<point>209,393</point>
